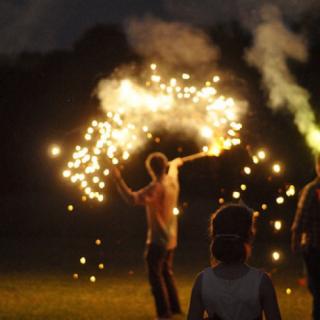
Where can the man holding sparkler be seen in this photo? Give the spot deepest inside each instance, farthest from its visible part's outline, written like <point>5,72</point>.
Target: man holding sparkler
<point>160,200</point>
<point>306,235</point>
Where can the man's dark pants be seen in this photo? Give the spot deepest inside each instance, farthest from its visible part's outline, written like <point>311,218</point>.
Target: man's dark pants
<point>160,272</point>
<point>312,262</point>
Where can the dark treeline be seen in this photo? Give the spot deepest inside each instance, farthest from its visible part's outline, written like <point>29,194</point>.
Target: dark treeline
<point>49,97</point>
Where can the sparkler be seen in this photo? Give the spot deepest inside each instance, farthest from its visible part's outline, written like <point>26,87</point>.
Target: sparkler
<point>135,110</point>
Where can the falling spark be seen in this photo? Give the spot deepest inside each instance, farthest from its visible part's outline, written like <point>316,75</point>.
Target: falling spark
<point>176,211</point>
<point>247,170</point>
<point>280,200</point>
<point>276,168</point>
<point>291,191</point>
<point>54,151</point>
<point>288,291</point>
<point>261,154</point>
<point>75,276</point>
<point>236,194</point>
<point>278,225</point>
<point>276,256</point>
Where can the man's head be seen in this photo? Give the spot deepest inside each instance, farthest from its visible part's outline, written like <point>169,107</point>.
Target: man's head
<point>156,164</point>
<point>317,164</point>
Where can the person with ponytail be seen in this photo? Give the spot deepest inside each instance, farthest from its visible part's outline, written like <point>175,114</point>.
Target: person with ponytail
<point>231,289</point>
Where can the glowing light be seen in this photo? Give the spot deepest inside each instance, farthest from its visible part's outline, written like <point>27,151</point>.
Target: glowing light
<point>101,266</point>
<point>185,76</point>
<point>255,159</point>
<point>70,207</point>
<point>243,187</point>
<point>216,79</point>
<point>236,194</point>
<point>66,173</point>
<point>288,291</point>
<point>261,154</point>
<point>221,201</point>
<point>98,242</point>
<point>276,168</point>
<point>206,132</point>
<point>276,256</point>
<point>75,276</point>
<point>264,206</point>
<point>83,260</point>
<point>291,191</point>
<point>247,170</point>
<point>176,211</point>
<point>153,66</point>
<point>280,200</point>
<point>93,279</point>
<point>278,225</point>
<point>55,151</point>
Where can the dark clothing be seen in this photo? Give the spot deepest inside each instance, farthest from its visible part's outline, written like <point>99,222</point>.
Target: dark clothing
<point>163,287</point>
<point>306,225</point>
<point>312,261</point>
<point>306,238</point>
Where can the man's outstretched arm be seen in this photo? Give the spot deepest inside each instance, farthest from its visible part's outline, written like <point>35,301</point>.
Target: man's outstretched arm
<point>127,194</point>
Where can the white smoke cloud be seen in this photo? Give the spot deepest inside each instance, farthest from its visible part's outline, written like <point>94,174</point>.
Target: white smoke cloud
<point>273,45</point>
<point>172,42</point>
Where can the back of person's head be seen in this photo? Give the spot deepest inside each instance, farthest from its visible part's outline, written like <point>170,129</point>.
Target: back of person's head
<point>156,164</point>
<point>231,233</point>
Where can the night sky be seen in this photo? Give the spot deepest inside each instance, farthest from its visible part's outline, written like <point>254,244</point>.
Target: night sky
<point>42,25</point>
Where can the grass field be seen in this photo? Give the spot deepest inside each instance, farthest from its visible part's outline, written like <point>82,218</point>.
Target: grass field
<point>115,295</point>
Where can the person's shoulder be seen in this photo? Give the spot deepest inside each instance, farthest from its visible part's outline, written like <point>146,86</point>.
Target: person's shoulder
<point>257,272</point>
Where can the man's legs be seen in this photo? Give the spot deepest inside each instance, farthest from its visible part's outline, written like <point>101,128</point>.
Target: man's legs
<point>155,257</point>
<point>312,261</point>
<point>170,282</point>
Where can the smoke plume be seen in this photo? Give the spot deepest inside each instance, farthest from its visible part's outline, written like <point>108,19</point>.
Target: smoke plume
<point>172,42</point>
<point>273,45</point>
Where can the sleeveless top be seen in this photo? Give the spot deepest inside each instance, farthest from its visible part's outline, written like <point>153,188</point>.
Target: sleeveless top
<point>232,299</point>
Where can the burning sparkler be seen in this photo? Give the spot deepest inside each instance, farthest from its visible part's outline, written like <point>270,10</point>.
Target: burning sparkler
<point>134,111</point>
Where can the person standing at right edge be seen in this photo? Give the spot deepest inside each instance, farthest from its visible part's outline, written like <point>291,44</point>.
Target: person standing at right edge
<point>305,236</point>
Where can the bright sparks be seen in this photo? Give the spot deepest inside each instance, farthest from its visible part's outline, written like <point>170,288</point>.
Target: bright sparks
<point>134,109</point>
<point>277,225</point>
<point>276,168</point>
<point>276,256</point>
<point>291,191</point>
<point>54,151</point>
<point>236,195</point>
<point>176,211</point>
